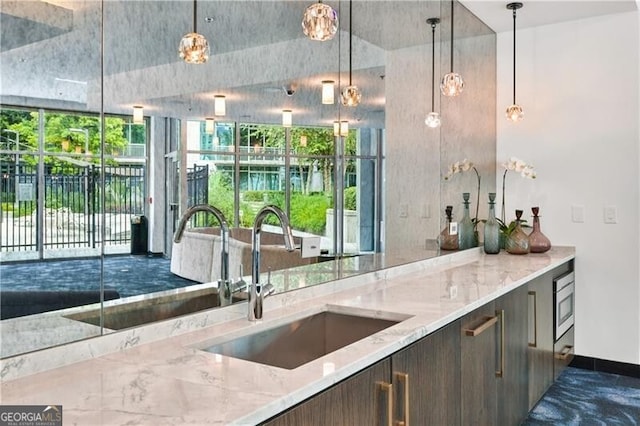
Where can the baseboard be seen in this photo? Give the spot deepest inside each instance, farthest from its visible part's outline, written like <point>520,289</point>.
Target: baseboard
<point>606,366</point>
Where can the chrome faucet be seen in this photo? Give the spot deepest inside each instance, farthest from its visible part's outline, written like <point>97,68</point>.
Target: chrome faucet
<point>258,292</point>
<point>224,292</point>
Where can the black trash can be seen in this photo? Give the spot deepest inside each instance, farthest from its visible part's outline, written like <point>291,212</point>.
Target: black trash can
<point>139,235</point>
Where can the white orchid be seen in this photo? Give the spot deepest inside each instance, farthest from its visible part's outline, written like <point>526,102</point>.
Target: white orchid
<point>458,167</point>
<point>464,166</point>
<point>516,165</point>
<point>519,166</point>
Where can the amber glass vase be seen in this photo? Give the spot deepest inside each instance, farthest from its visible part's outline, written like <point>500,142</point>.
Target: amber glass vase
<point>449,235</point>
<point>538,242</point>
<point>517,241</point>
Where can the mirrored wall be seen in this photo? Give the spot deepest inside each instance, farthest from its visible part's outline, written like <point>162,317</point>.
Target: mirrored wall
<point>108,137</point>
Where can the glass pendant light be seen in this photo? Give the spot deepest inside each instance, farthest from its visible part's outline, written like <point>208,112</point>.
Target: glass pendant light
<point>433,118</point>
<point>452,83</point>
<point>514,111</point>
<point>351,95</point>
<point>320,22</point>
<point>194,48</point>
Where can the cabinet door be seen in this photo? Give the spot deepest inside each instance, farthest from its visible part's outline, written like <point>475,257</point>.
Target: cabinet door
<point>478,366</point>
<point>364,399</point>
<point>513,372</point>
<point>540,336</point>
<point>426,380</point>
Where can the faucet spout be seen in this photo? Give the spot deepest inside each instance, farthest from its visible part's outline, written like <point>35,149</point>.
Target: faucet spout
<point>223,283</point>
<point>256,290</point>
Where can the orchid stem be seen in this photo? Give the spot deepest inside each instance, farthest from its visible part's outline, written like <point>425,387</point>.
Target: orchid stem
<point>503,215</point>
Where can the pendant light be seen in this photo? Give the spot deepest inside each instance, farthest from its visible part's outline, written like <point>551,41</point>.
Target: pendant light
<point>433,118</point>
<point>209,125</point>
<point>320,22</point>
<point>351,95</point>
<point>452,83</point>
<point>514,111</point>
<point>194,48</point>
<point>138,114</point>
<point>328,92</point>
<point>219,105</point>
<point>287,118</point>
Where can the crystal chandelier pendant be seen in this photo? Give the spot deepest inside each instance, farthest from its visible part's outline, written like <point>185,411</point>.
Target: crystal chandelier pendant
<point>452,84</point>
<point>194,48</point>
<point>432,120</point>
<point>515,113</point>
<point>351,96</point>
<point>320,22</point>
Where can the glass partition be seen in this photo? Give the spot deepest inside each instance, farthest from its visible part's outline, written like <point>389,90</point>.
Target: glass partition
<point>81,168</point>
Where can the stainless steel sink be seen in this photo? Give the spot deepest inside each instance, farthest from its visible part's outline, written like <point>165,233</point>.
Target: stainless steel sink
<point>296,343</point>
<point>132,314</point>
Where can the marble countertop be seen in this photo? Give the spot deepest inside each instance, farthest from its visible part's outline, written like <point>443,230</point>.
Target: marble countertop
<point>172,381</point>
<point>40,331</point>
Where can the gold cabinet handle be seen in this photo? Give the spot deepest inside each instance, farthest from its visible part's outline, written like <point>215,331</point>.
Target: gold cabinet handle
<point>403,380</point>
<point>489,321</point>
<point>535,320</point>
<point>388,388</point>
<point>565,353</point>
<point>500,373</point>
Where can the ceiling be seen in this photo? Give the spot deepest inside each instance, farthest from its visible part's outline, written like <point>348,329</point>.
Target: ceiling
<point>536,13</point>
<point>51,50</point>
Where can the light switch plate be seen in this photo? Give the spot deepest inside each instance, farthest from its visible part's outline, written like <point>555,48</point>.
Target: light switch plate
<point>310,247</point>
<point>577,213</point>
<point>610,214</point>
<point>404,210</point>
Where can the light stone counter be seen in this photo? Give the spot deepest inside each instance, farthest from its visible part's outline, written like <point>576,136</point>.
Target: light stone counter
<point>171,381</point>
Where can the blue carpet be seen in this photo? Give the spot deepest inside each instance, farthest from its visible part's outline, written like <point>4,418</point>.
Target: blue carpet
<point>129,275</point>
<point>586,398</point>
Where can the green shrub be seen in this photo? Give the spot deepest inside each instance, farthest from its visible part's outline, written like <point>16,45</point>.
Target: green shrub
<point>221,195</point>
<point>308,212</point>
<point>255,196</point>
<point>350,198</point>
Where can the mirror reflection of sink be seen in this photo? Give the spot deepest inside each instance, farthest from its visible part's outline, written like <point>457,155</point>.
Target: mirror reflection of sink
<point>301,341</point>
<point>132,314</point>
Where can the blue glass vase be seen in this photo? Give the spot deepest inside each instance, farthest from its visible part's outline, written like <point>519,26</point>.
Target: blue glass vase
<point>466,232</point>
<point>492,229</point>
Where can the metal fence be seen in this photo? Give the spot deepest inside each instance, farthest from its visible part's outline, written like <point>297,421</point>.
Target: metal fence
<point>198,191</point>
<point>72,215</point>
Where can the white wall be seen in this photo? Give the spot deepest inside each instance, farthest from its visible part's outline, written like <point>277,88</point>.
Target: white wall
<point>578,84</point>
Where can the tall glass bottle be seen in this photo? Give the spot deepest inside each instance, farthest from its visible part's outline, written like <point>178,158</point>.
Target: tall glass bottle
<point>492,228</point>
<point>517,241</point>
<point>538,242</point>
<point>449,235</point>
<point>466,231</point>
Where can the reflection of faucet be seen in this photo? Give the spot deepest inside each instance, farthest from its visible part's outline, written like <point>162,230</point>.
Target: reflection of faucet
<point>257,292</point>
<point>224,293</point>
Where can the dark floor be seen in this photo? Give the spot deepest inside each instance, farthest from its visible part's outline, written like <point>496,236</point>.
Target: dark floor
<point>586,398</point>
<point>129,275</point>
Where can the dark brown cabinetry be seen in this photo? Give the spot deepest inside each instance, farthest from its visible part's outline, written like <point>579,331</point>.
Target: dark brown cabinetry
<point>487,368</point>
<point>426,379</point>
<point>420,382</point>
<point>478,343</point>
<point>495,362</point>
<point>540,331</point>
<point>364,399</point>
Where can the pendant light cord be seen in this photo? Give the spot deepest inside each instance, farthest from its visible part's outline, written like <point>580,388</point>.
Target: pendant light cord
<point>433,65</point>
<point>514,56</point>
<point>350,33</point>
<point>195,16</point>
<point>452,7</point>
